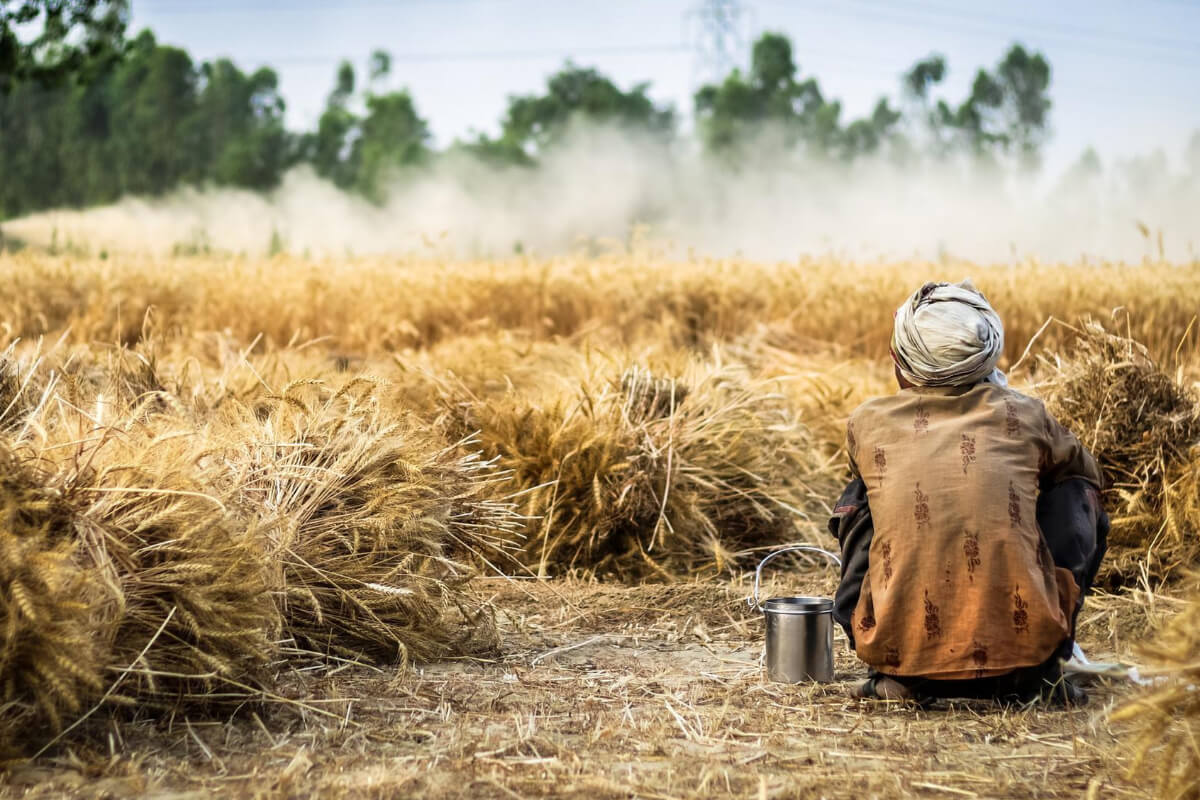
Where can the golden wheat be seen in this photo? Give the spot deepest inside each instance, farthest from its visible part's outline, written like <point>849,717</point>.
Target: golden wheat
<point>370,514</point>
<point>214,465</point>
<point>365,306</point>
<point>635,473</point>
<point>1142,425</point>
<point>56,613</point>
<point>1166,717</point>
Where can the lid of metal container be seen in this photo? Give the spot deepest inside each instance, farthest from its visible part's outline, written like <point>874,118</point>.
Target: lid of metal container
<point>798,605</point>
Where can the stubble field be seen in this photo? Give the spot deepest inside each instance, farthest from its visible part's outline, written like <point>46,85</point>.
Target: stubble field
<point>386,527</point>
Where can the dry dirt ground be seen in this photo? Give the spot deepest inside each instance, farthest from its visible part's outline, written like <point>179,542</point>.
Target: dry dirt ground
<point>604,691</point>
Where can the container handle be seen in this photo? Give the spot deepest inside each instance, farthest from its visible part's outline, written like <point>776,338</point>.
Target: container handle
<point>753,601</point>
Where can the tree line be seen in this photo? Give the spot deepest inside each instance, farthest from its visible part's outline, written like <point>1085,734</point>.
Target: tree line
<point>89,113</point>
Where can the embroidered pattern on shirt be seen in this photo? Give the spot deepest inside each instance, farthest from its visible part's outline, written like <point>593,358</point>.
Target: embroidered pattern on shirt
<point>933,623</point>
<point>967,449</point>
<point>979,654</point>
<point>1020,613</point>
<point>920,508</point>
<point>971,551</point>
<point>1014,506</point>
<point>1012,423</point>
<point>921,421</point>
<point>891,657</point>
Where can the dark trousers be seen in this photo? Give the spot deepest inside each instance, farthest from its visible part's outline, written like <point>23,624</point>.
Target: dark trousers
<point>1019,686</point>
<point>1076,531</point>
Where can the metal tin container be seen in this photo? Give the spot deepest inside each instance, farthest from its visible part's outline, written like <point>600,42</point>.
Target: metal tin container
<point>799,638</point>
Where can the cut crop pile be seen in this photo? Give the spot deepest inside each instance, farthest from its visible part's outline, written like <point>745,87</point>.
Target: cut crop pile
<point>374,519</point>
<point>153,565</point>
<point>197,620</point>
<point>1166,717</point>
<point>57,617</point>
<point>636,475</point>
<point>1143,426</point>
<point>218,474</point>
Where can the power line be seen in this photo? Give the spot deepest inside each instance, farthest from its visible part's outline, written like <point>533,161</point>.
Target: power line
<point>923,23</point>
<point>986,25</point>
<point>725,45</point>
<point>493,55</point>
<point>855,64</point>
<point>949,12</point>
<point>201,9</point>
<point>719,42</point>
<point>720,39</point>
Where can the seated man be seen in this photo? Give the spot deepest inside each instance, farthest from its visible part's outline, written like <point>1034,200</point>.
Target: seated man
<point>958,578</point>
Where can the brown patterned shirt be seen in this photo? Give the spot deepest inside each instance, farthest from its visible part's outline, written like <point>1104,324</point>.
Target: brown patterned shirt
<point>961,583</point>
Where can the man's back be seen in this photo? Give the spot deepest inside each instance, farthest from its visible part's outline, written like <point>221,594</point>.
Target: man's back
<point>961,583</point>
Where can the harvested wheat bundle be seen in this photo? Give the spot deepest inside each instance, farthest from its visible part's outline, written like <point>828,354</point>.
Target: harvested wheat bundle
<point>57,616</point>
<point>28,378</point>
<point>15,397</point>
<point>372,517</point>
<point>645,474</point>
<point>197,622</point>
<point>1141,424</point>
<point>824,386</point>
<point>1166,717</point>
<point>119,385</point>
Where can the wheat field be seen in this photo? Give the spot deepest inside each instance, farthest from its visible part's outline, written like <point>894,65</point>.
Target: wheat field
<point>298,527</point>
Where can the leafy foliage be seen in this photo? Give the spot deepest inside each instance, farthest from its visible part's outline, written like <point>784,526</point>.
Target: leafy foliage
<point>732,113</point>
<point>535,123</point>
<point>360,152</point>
<point>88,114</point>
<point>1007,111</point>
<point>141,120</point>
<point>74,35</point>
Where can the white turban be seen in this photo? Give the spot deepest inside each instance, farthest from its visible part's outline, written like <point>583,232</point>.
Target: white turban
<point>947,334</point>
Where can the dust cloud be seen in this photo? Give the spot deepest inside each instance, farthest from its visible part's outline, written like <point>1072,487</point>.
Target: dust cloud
<point>605,188</point>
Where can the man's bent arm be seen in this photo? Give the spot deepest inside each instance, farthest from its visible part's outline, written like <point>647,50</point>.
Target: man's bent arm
<point>852,525</point>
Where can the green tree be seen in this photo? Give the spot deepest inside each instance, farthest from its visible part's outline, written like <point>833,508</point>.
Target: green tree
<point>932,117</point>
<point>30,147</point>
<point>361,152</point>
<point>1006,113</point>
<point>154,97</point>
<point>534,123</point>
<point>380,65</point>
<point>42,114</point>
<point>238,127</point>
<point>134,117</point>
<point>392,136</point>
<point>868,135</point>
<point>87,115</point>
<point>328,148</point>
<point>732,114</point>
<point>1024,80</point>
<point>71,35</point>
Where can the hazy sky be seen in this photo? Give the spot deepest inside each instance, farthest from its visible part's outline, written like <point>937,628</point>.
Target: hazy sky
<point>1126,75</point>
